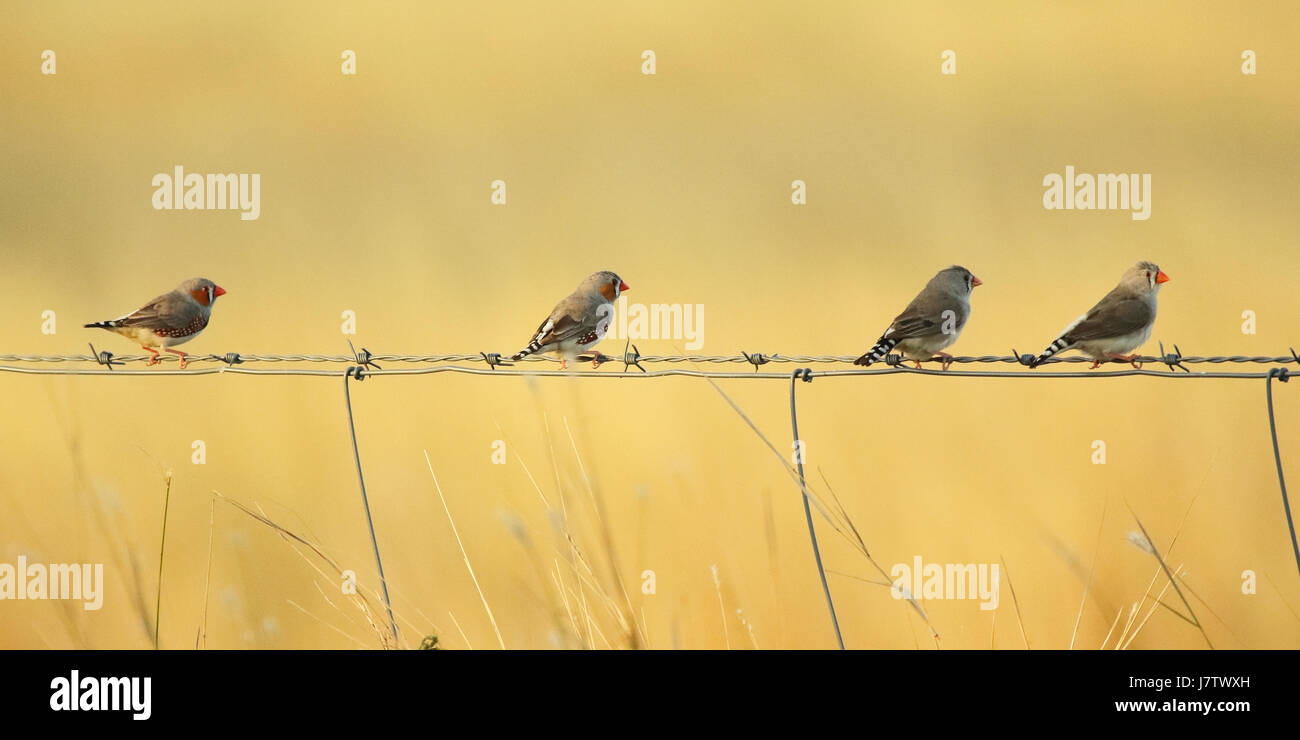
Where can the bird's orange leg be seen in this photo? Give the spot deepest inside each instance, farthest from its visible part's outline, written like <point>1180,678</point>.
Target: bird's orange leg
<point>153,355</point>
<point>947,359</point>
<point>184,358</point>
<point>564,364</point>
<point>917,363</point>
<point>1095,364</point>
<point>1130,359</point>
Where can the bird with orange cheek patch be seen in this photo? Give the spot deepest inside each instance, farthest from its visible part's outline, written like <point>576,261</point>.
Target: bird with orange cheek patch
<point>168,320</point>
<point>579,321</point>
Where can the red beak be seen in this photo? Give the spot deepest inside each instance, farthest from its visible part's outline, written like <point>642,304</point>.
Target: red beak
<point>1161,277</point>
<point>622,285</point>
<point>975,281</point>
<point>218,290</point>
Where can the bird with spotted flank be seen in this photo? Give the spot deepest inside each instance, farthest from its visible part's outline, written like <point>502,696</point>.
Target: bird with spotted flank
<point>168,320</point>
<point>579,321</point>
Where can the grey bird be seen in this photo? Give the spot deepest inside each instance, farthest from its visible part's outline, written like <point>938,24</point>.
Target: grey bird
<point>168,320</point>
<point>932,321</point>
<point>1119,323</point>
<point>579,321</point>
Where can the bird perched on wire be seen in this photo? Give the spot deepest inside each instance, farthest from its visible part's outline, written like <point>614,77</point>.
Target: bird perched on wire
<point>1120,323</point>
<point>168,320</point>
<point>579,321</point>
<point>931,322</point>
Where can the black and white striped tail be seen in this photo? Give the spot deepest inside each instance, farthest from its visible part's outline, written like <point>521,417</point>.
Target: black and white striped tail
<point>111,324</point>
<point>532,347</point>
<point>1053,348</point>
<point>877,352</point>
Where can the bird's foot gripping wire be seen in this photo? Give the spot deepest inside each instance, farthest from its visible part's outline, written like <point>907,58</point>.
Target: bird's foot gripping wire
<point>1134,359</point>
<point>596,358</point>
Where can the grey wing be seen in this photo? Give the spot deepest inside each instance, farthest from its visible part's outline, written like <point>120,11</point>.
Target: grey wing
<point>920,321</point>
<point>155,314</point>
<point>1115,316</point>
<point>555,330</point>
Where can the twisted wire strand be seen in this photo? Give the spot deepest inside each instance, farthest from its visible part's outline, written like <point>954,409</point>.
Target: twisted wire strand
<point>495,361</point>
<point>738,375</point>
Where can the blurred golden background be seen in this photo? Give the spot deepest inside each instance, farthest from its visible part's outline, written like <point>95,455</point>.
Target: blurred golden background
<point>376,199</point>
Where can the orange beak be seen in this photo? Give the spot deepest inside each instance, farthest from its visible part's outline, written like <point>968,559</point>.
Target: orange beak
<point>622,285</point>
<point>1161,277</point>
<point>975,281</point>
<point>218,290</point>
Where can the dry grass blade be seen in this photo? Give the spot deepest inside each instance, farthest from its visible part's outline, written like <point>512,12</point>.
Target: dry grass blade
<point>862,547</point>
<point>1016,602</point>
<point>629,621</point>
<point>359,598</point>
<point>1113,625</point>
<point>1155,552</point>
<point>464,554</point>
<point>202,639</point>
<point>845,529</point>
<point>1091,569</point>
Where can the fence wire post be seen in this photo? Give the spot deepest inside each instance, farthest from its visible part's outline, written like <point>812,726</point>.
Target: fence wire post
<point>806,374</point>
<point>1282,375</point>
<point>365,502</point>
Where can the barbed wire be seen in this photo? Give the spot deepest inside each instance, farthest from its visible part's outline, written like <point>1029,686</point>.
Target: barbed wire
<point>368,363</point>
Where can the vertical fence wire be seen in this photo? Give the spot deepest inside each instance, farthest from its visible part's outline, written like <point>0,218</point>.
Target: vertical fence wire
<point>365,501</point>
<point>806,375</point>
<point>1281,374</point>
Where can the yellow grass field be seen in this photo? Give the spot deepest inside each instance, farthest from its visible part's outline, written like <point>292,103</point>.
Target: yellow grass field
<point>646,512</point>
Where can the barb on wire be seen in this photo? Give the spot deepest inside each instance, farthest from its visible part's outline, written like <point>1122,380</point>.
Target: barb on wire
<point>628,359</point>
<point>104,358</point>
<point>493,360</point>
<point>1174,359</point>
<point>806,375</point>
<point>755,359</point>
<point>632,358</point>
<point>363,358</point>
<point>1282,376</point>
